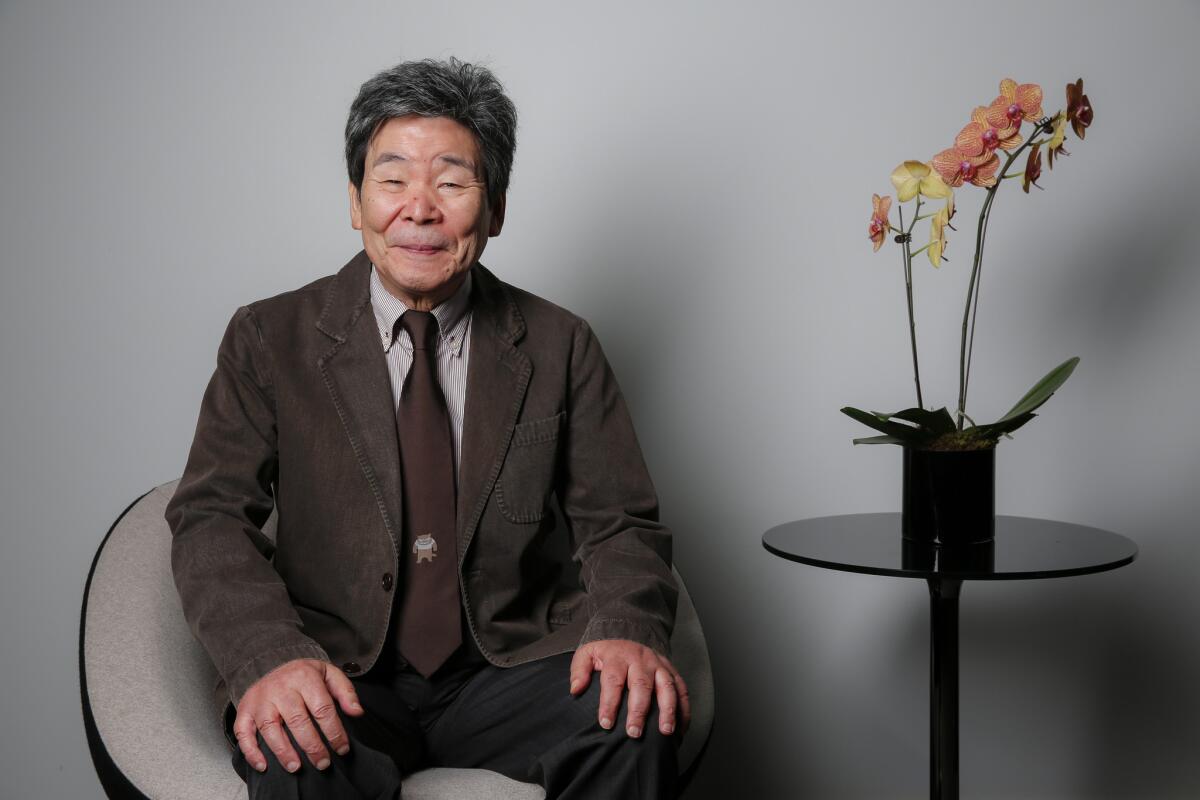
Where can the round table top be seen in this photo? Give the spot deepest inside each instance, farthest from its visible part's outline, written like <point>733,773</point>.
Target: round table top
<point>1024,547</point>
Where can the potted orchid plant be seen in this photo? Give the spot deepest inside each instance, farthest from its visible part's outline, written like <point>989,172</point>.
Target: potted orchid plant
<point>950,464</point>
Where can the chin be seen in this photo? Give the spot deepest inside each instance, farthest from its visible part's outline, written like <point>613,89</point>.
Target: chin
<point>421,279</point>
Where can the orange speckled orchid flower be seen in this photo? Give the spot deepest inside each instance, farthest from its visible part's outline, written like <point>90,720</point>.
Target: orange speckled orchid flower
<point>980,136</point>
<point>957,167</point>
<point>878,229</point>
<point>1015,104</point>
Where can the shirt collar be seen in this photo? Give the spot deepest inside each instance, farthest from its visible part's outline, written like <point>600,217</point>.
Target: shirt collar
<point>451,315</point>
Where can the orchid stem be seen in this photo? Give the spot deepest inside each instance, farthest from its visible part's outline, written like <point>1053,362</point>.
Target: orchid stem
<point>912,322</point>
<point>971,312</point>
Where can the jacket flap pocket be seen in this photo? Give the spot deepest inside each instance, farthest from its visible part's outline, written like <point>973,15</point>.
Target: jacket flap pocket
<point>536,431</point>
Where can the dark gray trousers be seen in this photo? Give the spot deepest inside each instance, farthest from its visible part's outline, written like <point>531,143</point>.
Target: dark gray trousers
<point>519,721</point>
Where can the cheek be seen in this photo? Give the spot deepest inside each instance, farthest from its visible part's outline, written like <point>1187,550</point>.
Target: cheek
<point>378,213</point>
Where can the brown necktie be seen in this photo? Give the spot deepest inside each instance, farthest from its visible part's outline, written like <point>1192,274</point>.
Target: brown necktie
<point>429,612</point>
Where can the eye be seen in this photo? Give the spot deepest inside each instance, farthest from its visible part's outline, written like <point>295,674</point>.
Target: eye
<point>451,186</point>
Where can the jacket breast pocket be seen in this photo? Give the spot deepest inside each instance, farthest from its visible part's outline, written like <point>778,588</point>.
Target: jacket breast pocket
<point>527,477</point>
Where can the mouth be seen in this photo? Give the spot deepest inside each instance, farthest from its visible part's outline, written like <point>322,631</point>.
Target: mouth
<point>420,249</point>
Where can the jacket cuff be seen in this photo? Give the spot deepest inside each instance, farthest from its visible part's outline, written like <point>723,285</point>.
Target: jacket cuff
<point>629,629</point>
<point>245,676</point>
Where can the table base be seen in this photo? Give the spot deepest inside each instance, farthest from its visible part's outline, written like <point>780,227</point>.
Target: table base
<point>943,688</point>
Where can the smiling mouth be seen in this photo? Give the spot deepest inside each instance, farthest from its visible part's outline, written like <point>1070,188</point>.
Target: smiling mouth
<point>420,249</point>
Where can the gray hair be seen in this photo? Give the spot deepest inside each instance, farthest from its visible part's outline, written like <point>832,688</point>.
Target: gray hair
<point>468,94</point>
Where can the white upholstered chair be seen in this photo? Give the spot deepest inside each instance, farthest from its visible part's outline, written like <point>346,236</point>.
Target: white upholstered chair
<point>146,684</point>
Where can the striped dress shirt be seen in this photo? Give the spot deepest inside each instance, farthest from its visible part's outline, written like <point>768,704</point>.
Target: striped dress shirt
<point>454,347</point>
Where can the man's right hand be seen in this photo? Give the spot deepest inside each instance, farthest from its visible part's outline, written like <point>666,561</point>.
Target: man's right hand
<point>294,695</point>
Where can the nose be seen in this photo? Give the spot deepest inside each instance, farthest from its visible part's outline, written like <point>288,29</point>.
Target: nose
<point>421,206</point>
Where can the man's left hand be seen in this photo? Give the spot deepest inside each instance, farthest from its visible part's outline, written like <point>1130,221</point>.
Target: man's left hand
<point>624,663</point>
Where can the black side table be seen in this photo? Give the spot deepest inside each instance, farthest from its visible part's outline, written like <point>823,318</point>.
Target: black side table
<point>1024,548</point>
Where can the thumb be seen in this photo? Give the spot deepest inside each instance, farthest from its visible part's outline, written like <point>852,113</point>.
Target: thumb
<point>581,670</point>
<point>342,690</point>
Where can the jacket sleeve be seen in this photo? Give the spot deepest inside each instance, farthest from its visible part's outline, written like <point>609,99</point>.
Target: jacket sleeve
<point>611,508</point>
<point>234,601</point>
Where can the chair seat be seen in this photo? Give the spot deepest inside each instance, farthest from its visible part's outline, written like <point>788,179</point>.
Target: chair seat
<point>147,684</point>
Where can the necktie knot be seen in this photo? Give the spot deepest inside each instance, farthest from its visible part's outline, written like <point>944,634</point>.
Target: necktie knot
<point>422,327</point>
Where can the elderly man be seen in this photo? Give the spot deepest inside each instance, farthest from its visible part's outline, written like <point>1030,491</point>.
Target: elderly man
<point>466,528</point>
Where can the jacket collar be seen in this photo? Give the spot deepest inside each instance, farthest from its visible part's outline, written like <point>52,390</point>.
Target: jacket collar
<point>355,373</point>
<point>350,295</point>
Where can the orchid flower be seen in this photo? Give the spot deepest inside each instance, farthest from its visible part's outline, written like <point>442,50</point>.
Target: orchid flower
<point>878,229</point>
<point>1015,104</point>
<point>1033,168</point>
<point>980,136</point>
<point>937,234</point>
<point>957,167</point>
<point>1054,147</point>
<point>913,177</point>
<point>1079,108</point>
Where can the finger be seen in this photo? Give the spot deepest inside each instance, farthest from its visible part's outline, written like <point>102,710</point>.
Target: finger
<point>299,721</point>
<point>612,686</point>
<point>664,684</point>
<point>270,725</point>
<point>581,670</point>
<point>246,733</point>
<point>641,687</point>
<point>685,703</point>
<point>342,690</point>
<point>321,708</point>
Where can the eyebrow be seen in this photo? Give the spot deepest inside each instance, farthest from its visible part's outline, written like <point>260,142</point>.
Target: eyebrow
<point>384,158</point>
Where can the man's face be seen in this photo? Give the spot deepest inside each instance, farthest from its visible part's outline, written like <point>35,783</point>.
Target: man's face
<point>423,208</point>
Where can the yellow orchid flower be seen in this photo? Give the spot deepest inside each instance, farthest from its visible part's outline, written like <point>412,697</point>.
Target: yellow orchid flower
<point>913,177</point>
<point>937,235</point>
<point>1055,146</point>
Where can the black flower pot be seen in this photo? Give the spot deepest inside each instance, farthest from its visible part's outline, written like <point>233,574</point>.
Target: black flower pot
<point>949,496</point>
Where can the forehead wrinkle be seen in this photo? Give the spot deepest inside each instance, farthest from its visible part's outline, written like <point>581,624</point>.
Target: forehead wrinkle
<point>384,158</point>
<point>457,161</point>
<point>449,158</point>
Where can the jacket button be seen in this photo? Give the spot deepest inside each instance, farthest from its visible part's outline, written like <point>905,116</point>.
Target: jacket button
<point>351,668</point>
<point>386,581</point>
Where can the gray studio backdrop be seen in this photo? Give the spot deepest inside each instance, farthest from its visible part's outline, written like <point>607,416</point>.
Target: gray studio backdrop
<point>694,179</point>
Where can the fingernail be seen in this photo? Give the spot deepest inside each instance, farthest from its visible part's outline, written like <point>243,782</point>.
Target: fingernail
<point>574,685</point>
<point>343,750</point>
<point>292,766</point>
<point>634,731</point>
<point>605,723</point>
<point>323,763</point>
<point>668,728</point>
<point>261,766</point>
<point>354,704</point>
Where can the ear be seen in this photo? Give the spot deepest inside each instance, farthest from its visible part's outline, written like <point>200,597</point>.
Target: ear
<point>355,207</point>
<point>497,217</point>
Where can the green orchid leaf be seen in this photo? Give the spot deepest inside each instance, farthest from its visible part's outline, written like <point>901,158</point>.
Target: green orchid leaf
<point>1004,426</point>
<point>906,433</point>
<point>935,422</point>
<point>1041,391</point>
<point>880,440</point>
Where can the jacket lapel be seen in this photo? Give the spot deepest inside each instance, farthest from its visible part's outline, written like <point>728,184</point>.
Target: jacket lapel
<point>355,373</point>
<point>497,377</point>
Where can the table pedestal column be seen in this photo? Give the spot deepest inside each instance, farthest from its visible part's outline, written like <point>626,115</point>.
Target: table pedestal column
<point>943,689</point>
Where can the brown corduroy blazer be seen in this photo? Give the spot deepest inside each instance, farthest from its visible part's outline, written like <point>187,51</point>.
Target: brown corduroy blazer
<point>558,535</point>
